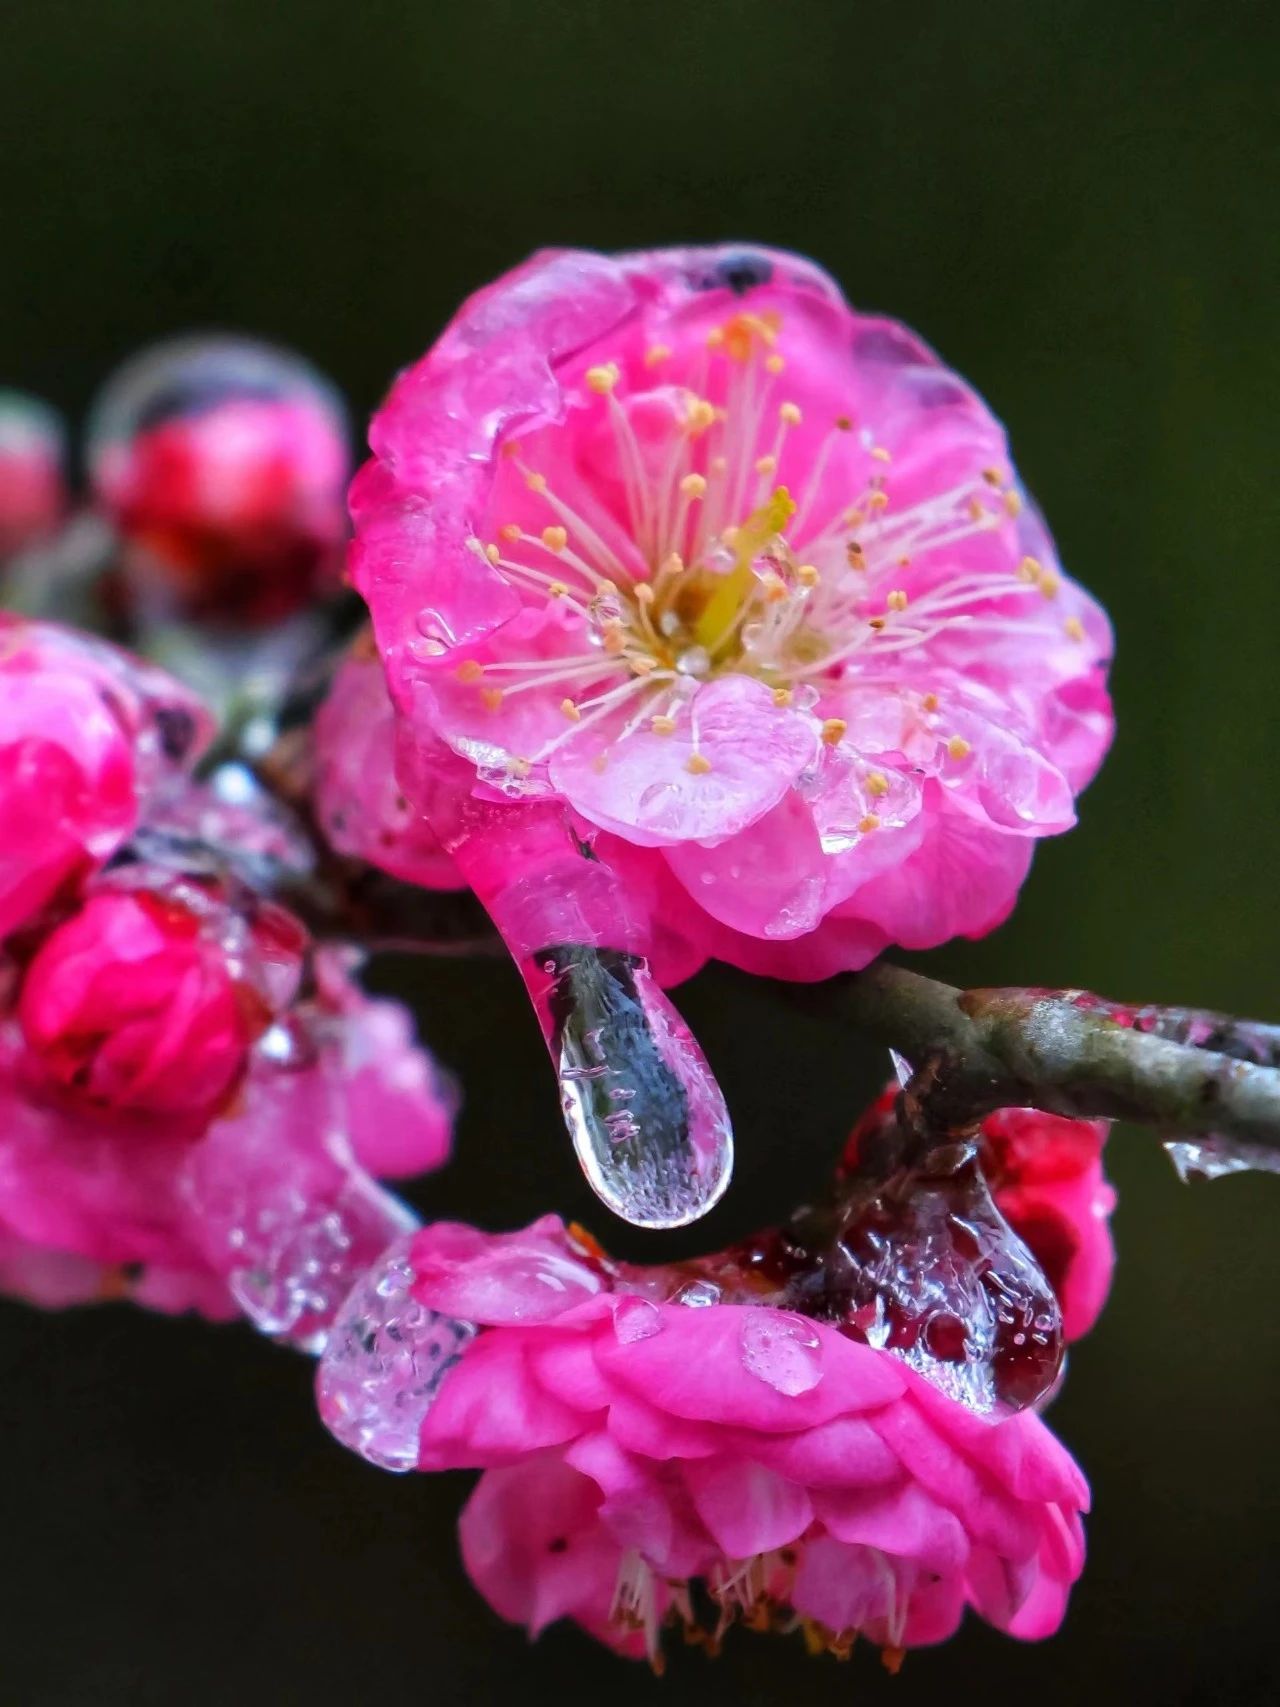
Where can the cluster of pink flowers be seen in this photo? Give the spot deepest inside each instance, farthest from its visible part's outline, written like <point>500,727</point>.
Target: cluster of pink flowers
<point>197,1102</point>
<point>709,620</point>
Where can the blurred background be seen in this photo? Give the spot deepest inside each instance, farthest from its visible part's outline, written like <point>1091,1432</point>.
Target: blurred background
<point>1074,202</point>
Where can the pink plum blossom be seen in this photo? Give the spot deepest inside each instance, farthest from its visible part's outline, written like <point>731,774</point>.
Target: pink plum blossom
<point>139,1003</point>
<point>641,1439</point>
<point>201,1136</point>
<point>358,798</point>
<point>680,562</point>
<point>89,737</point>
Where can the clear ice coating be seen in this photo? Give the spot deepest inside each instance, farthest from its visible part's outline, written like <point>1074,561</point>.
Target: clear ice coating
<point>648,1122</point>
<point>384,1363</point>
<point>1214,1157</point>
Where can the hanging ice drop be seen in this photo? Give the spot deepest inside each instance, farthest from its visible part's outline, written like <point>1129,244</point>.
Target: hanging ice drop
<point>647,1119</point>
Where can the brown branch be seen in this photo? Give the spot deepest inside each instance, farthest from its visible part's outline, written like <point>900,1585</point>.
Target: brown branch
<point>1069,1053</point>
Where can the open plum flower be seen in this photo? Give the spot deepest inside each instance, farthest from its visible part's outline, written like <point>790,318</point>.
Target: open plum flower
<point>718,625</point>
<point>831,1424</point>
<point>654,1444</point>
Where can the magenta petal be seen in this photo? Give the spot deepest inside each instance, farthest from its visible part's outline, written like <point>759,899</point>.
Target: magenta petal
<point>753,749</point>
<point>747,1508</point>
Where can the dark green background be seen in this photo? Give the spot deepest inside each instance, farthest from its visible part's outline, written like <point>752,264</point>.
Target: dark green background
<point>1076,203</point>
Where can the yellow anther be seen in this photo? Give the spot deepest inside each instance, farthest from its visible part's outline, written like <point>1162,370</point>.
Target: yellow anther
<point>557,589</point>
<point>673,564</point>
<point>766,465</point>
<point>614,638</point>
<point>877,784</point>
<point>876,622</point>
<point>510,531</point>
<point>699,417</point>
<point>745,331</point>
<point>775,588</point>
<point>519,767</point>
<point>643,666</point>
<point>1012,503</point>
<point>535,482</point>
<point>644,593</point>
<point>782,696</point>
<point>719,464</point>
<point>897,599</point>
<point>470,670</point>
<point>656,353</point>
<point>715,337</point>
<point>881,454</point>
<point>697,764</point>
<point>904,563</point>
<point>930,702</point>
<point>729,537</point>
<point>1029,570</point>
<point>868,822</point>
<point>694,486</point>
<point>833,729</point>
<point>977,509</point>
<point>1074,628</point>
<point>774,363</point>
<point>662,725</point>
<point>493,553</point>
<point>958,747</point>
<point>602,379</point>
<point>492,697</point>
<point>993,477</point>
<point>808,575</point>
<point>789,414</point>
<point>600,763</point>
<point>555,538</point>
<point>855,556</point>
<point>878,501</point>
<point>570,710</point>
<point>1049,583</point>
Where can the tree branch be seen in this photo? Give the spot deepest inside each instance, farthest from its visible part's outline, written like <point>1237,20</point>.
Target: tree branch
<point>1188,1073</point>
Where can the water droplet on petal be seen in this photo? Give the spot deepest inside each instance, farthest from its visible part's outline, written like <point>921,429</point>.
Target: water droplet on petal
<point>694,661</point>
<point>805,697</point>
<point>385,1362</point>
<point>782,1350</point>
<point>636,1319</point>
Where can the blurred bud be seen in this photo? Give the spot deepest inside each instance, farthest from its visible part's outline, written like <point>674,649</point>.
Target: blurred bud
<point>222,462</point>
<point>33,495</point>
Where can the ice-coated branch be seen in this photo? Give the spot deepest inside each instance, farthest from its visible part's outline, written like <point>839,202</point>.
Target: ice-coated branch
<point>1189,1074</point>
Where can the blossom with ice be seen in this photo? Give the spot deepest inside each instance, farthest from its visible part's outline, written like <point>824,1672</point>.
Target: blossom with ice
<point>650,1450</point>
<point>738,586</point>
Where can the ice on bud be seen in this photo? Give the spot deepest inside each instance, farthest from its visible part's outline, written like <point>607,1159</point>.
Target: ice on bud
<point>384,1363</point>
<point>647,1119</point>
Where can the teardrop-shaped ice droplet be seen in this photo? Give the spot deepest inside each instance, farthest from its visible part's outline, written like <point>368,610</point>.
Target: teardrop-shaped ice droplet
<point>1214,1157</point>
<point>647,1119</point>
<point>386,1359</point>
